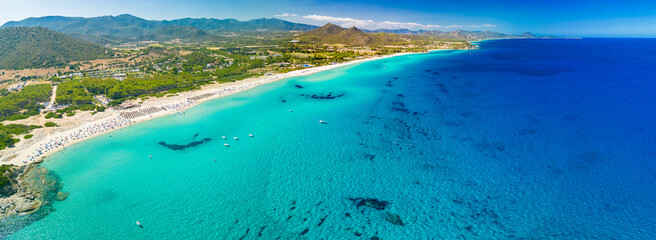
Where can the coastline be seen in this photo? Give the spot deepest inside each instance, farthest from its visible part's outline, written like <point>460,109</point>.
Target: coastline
<point>34,152</point>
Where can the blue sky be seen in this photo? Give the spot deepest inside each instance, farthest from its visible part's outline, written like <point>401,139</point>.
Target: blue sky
<point>566,18</point>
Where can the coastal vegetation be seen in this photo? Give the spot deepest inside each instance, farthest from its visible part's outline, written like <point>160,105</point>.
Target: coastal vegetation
<point>8,133</point>
<point>72,92</point>
<point>27,102</point>
<point>5,170</point>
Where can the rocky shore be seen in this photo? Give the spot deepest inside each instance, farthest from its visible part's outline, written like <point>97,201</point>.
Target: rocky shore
<point>29,189</point>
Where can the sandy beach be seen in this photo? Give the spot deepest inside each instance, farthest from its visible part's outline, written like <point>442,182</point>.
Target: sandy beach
<point>83,125</point>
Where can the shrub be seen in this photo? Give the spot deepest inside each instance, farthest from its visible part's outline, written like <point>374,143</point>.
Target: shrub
<point>3,179</point>
<point>28,136</point>
<point>50,124</point>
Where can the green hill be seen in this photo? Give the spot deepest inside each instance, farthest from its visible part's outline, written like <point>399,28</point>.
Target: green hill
<point>36,47</point>
<point>113,29</point>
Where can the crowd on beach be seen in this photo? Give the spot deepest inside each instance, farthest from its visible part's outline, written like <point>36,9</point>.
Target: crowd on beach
<point>84,132</point>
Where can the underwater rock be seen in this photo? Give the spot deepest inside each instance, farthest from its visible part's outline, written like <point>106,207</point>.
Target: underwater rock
<point>399,106</point>
<point>298,86</point>
<point>25,205</point>
<point>247,231</point>
<point>357,233</point>
<point>469,228</point>
<point>61,196</point>
<point>374,238</point>
<point>369,202</point>
<point>394,219</point>
<point>30,188</point>
<point>322,220</point>
<point>182,147</point>
<point>321,96</point>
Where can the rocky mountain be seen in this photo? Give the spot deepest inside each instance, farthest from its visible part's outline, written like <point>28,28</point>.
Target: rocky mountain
<point>333,34</point>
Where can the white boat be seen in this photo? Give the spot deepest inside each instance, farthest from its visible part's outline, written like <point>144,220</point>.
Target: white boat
<point>290,110</point>
<point>224,137</point>
<point>139,224</point>
<point>322,121</point>
<point>235,138</point>
<point>150,156</point>
<point>250,135</point>
<point>225,144</point>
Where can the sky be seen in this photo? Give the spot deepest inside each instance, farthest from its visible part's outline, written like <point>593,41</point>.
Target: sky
<point>585,18</point>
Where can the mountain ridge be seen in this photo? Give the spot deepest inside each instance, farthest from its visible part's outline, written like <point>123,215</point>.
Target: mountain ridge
<point>126,27</point>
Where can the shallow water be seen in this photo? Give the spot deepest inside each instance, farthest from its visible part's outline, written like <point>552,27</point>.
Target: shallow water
<point>527,139</point>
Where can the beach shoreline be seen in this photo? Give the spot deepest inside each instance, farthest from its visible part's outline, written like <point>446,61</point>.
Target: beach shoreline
<point>48,141</point>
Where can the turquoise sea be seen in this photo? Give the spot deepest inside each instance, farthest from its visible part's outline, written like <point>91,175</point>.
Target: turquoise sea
<point>521,139</point>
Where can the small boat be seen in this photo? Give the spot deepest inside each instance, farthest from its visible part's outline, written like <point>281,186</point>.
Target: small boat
<point>236,138</point>
<point>225,144</point>
<point>322,121</point>
<point>290,110</point>
<point>250,135</point>
<point>224,137</point>
<point>139,224</point>
<point>150,156</point>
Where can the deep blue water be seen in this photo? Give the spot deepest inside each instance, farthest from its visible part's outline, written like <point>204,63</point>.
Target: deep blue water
<point>521,139</point>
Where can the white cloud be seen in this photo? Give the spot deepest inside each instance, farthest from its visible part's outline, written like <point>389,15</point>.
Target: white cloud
<point>285,15</point>
<point>371,24</point>
<point>483,25</point>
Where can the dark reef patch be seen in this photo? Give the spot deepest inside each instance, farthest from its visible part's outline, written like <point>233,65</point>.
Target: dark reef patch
<point>370,202</point>
<point>399,107</point>
<point>298,86</point>
<point>394,219</point>
<point>322,220</point>
<point>322,96</point>
<point>182,147</point>
<point>443,88</point>
<point>247,231</point>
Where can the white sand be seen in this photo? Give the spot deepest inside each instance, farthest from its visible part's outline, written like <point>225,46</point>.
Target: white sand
<point>84,125</point>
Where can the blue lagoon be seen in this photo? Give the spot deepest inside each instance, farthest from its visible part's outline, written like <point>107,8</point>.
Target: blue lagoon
<point>526,139</point>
